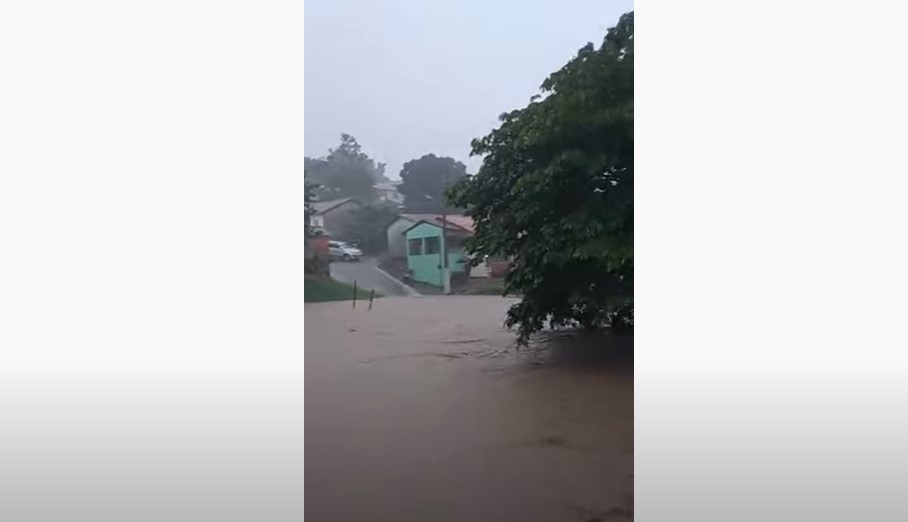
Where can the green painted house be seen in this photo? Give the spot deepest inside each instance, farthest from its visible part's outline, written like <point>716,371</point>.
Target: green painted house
<point>424,247</point>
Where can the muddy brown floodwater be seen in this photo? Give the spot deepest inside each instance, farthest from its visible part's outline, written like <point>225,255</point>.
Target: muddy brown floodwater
<point>422,409</point>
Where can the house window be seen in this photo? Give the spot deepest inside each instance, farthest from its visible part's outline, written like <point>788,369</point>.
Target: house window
<point>433,245</point>
<point>415,247</point>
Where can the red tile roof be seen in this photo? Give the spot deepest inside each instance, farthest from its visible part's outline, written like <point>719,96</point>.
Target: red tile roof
<point>464,222</point>
<point>455,220</point>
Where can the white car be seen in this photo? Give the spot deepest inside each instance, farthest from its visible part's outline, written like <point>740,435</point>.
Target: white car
<point>338,250</point>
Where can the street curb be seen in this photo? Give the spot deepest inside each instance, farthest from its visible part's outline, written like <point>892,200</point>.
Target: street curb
<point>411,292</point>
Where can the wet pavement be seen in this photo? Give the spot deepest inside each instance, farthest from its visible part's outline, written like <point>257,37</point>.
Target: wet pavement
<point>367,276</point>
<point>422,409</point>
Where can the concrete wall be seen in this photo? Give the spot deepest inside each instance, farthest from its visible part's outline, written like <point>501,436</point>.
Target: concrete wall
<point>397,242</point>
<point>498,268</point>
<point>480,270</point>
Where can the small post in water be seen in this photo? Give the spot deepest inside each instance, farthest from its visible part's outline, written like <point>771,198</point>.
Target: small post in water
<point>354,294</point>
<point>371,297</point>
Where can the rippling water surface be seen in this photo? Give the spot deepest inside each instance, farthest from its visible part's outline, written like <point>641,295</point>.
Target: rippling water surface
<point>423,409</point>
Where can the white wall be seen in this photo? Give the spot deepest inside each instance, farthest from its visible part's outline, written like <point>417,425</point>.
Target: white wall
<point>397,243</point>
<point>480,270</point>
<point>391,196</point>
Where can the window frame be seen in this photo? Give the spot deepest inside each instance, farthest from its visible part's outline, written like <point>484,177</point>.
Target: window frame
<point>410,243</point>
<point>433,240</point>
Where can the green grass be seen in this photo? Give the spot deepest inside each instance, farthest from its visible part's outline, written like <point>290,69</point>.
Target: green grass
<point>318,289</point>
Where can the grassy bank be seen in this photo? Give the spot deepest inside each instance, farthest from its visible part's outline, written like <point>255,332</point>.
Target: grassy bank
<point>319,289</point>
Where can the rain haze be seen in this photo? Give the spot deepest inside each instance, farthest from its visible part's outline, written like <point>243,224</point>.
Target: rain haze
<point>421,403</point>
<point>410,77</point>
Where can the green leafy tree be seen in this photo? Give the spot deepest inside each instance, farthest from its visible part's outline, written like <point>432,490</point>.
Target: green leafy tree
<point>555,193</point>
<point>316,174</point>
<point>368,228</point>
<point>424,182</point>
<point>346,172</point>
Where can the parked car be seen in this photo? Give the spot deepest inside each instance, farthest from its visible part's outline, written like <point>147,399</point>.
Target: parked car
<point>338,250</point>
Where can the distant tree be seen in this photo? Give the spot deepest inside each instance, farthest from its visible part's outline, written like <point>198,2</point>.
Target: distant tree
<point>346,172</point>
<point>368,228</point>
<point>424,182</point>
<point>316,174</point>
<point>555,193</point>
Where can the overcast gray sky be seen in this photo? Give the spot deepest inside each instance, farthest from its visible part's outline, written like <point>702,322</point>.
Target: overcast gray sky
<point>410,77</point>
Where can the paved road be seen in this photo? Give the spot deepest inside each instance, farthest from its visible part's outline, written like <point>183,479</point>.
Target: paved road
<point>368,276</point>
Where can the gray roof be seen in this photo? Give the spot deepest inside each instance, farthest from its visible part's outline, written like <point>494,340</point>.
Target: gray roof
<point>320,207</point>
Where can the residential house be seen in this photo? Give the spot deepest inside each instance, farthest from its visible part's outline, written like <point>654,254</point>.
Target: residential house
<point>335,216</point>
<point>397,239</point>
<point>397,242</point>
<point>424,247</point>
<point>387,193</point>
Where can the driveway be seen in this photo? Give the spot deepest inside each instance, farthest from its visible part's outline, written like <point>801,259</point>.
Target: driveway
<point>368,276</point>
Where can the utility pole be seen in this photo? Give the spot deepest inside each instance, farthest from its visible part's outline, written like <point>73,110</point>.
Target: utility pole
<point>445,269</point>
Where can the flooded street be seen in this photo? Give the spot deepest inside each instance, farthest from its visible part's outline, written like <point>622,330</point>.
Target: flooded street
<point>368,276</point>
<point>423,410</point>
